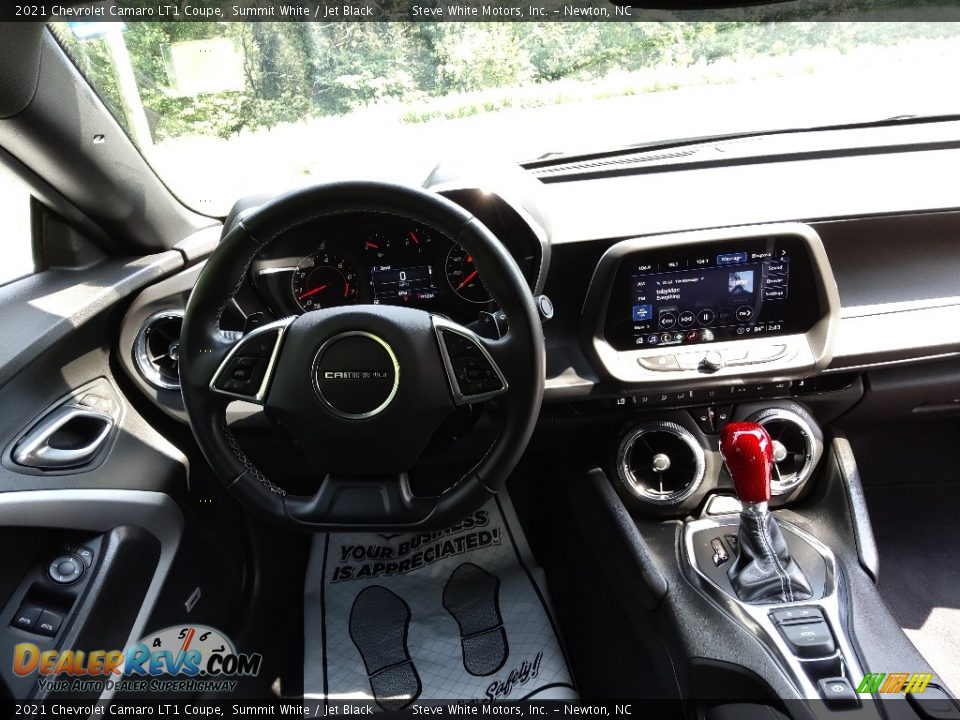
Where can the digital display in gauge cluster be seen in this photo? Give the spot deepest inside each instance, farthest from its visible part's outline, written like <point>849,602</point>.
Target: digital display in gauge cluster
<point>711,292</point>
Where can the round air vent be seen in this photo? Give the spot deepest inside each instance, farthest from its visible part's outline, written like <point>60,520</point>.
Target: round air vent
<point>796,447</point>
<point>661,463</point>
<point>156,351</point>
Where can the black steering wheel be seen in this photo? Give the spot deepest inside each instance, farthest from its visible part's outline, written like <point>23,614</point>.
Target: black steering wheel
<point>360,389</point>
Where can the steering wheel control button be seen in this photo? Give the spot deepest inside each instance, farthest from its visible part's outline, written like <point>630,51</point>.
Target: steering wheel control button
<point>49,623</point>
<point>809,639</point>
<point>66,569</point>
<point>262,345</point>
<point>26,618</point>
<point>356,375</point>
<point>244,371</point>
<point>473,373</point>
<point>838,693</point>
<point>243,375</point>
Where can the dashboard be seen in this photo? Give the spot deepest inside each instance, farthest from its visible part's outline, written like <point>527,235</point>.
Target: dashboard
<point>786,311</point>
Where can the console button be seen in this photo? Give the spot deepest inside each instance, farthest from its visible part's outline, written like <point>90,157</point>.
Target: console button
<point>26,618</point>
<point>744,313</point>
<point>722,415</point>
<point>85,554</point>
<point>720,555</point>
<point>659,362</point>
<point>934,704</point>
<point>812,639</point>
<point>66,569</point>
<point>49,623</point>
<point>703,417</point>
<point>766,353</point>
<point>838,694</point>
<point>797,615</point>
<point>686,318</point>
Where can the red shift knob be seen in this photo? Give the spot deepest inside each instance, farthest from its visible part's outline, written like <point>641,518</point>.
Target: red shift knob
<point>748,452</point>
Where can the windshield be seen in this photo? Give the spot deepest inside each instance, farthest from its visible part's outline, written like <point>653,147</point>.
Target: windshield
<point>226,109</point>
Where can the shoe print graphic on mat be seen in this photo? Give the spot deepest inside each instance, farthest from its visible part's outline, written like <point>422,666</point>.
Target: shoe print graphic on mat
<point>379,621</point>
<point>472,596</point>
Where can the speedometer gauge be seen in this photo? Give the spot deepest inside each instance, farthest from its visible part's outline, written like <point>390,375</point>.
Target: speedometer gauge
<point>463,276</point>
<point>323,280</point>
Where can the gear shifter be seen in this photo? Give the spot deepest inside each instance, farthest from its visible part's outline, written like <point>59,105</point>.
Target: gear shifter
<point>763,571</point>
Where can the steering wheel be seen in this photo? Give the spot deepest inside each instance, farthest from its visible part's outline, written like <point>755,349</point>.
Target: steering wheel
<point>360,389</point>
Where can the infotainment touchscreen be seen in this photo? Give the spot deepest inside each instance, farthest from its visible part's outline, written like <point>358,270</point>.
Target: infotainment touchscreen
<point>711,292</point>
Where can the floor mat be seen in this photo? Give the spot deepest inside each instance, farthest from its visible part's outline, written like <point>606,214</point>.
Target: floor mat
<point>918,536</point>
<point>460,614</point>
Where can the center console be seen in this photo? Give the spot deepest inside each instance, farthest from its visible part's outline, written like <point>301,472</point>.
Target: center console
<point>756,589</point>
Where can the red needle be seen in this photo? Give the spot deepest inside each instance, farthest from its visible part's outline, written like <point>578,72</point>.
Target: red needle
<point>413,236</point>
<point>467,279</point>
<point>372,245</point>
<point>346,289</point>
<point>308,293</point>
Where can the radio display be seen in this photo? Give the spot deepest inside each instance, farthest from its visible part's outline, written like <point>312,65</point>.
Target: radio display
<point>711,292</point>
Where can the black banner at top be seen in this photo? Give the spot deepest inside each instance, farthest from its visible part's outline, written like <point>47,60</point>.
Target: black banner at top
<point>479,10</point>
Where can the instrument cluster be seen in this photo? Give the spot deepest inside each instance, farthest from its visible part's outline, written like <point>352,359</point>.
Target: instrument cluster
<point>369,259</point>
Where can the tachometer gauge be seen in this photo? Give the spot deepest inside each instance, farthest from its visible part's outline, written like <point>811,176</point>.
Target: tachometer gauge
<point>463,276</point>
<point>323,280</point>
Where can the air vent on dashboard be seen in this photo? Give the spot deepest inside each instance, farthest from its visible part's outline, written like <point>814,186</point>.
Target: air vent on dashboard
<point>796,447</point>
<point>156,351</point>
<point>660,463</point>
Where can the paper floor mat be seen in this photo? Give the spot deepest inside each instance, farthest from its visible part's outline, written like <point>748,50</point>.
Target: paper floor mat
<point>460,614</point>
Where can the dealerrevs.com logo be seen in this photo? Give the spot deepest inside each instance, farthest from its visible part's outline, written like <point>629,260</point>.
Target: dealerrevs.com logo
<point>177,659</point>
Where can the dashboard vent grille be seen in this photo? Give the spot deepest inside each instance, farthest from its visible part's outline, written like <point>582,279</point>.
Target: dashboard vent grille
<point>661,463</point>
<point>156,351</point>
<point>601,164</point>
<point>797,447</point>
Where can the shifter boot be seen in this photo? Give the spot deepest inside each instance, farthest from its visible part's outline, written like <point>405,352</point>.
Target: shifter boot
<point>764,572</point>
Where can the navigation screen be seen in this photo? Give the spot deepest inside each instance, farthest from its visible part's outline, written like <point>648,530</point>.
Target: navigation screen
<point>713,292</point>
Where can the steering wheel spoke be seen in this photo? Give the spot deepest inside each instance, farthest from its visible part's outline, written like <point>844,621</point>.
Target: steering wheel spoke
<point>247,370</point>
<point>473,372</point>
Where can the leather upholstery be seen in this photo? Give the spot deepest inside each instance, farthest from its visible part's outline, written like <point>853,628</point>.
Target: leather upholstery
<point>763,571</point>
